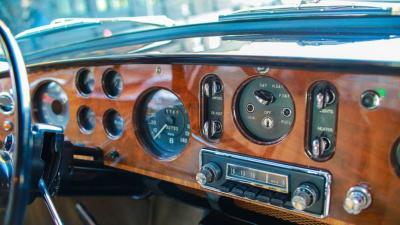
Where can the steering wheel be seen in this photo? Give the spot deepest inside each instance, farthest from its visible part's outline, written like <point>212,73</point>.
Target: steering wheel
<point>16,166</point>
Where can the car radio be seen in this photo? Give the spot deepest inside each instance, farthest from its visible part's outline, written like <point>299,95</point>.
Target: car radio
<point>268,182</point>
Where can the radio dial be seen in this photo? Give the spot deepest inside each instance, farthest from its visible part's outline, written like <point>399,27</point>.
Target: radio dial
<point>304,196</point>
<point>209,173</point>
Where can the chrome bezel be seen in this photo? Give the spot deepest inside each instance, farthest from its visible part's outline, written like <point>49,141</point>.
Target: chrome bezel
<point>8,95</point>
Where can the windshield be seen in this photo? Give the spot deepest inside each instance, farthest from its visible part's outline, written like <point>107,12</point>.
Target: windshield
<point>43,25</point>
<point>21,15</point>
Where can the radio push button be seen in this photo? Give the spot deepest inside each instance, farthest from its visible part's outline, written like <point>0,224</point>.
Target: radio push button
<point>226,187</point>
<point>239,190</point>
<point>264,196</point>
<point>278,199</point>
<point>251,193</point>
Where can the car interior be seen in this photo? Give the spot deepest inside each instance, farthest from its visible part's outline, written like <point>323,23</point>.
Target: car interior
<point>193,112</point>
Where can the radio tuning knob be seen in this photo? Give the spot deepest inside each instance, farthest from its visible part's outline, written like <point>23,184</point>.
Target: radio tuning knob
<point>357,199</point>
<point>305,196</point>
<point>209,173</point>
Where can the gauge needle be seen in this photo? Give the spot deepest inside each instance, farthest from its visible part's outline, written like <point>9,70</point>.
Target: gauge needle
<point>159,132</point>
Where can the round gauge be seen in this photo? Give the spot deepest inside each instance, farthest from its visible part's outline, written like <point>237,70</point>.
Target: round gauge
<point>50,104</point>
<point>163,124</point>
<point>84,82</point>
<point>86,119</point>
<point>113,123</point>
<point>264,110</point>
<point>112,83</point>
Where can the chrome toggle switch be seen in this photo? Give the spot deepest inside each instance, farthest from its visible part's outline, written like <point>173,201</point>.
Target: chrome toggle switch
<point>319,146</point>
<point>357,199</point>
<point>325,98</point>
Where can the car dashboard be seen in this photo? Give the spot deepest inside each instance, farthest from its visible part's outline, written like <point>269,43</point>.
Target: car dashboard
<point>303,143</point>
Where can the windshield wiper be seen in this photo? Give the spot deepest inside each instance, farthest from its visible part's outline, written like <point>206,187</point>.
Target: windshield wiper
<point>319,9</point>
<point>67,24</point>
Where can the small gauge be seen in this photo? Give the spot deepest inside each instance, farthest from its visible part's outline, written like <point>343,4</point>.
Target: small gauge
<point>112,83</point>
<point>86,119</point>
<point>84,82</point>
<point>163,124</point>
<point>113,123</point>
<point>50,104</point>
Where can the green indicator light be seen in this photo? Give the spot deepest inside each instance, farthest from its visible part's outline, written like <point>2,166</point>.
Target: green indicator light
<point>382,92</point>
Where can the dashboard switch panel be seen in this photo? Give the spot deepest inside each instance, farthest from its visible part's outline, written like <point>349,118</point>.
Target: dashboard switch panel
<point>212,107</point>
<point>322,108</point>
<point>290,187</point>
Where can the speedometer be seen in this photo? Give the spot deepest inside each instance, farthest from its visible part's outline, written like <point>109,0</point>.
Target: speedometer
<point>163,123</point>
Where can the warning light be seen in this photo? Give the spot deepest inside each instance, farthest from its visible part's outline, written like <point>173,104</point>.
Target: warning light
<point>382,92</point>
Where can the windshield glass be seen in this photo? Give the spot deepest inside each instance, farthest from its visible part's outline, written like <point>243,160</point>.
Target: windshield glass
<point>43,25</point>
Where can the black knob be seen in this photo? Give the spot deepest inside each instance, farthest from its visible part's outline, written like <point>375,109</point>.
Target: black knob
<point>264,97</point>
<point>209,173</point>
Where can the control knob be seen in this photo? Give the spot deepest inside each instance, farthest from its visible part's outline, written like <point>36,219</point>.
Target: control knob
<point>264,97</point>
<point>209,173</point>
<point>305,196</point>
<point>357,199</point>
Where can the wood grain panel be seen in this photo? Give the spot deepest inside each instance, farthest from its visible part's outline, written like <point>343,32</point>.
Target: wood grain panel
<point>364,139</point>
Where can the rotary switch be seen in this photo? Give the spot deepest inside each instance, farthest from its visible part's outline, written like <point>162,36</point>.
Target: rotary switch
<point>305,196</point>
<point>264,97</point>
<point>209,173</point>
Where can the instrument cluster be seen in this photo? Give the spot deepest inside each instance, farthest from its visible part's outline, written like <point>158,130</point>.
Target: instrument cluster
<point>263,110</point>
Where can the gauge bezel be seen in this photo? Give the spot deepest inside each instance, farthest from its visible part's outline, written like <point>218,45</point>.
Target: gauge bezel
<point>239,124</point>
<point>106,128</point>
<point>80,124</point>
<point>82,72</point>
<point>34,92</point>
<point>138,124</point>
<point>109,72</point>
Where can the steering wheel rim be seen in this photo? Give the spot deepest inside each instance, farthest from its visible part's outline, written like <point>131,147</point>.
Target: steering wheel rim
<point>22,156</point>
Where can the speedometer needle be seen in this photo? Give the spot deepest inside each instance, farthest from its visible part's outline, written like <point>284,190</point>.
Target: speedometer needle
<point>159,132</point>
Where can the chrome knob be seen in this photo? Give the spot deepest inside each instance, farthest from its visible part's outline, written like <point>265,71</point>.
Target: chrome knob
<point>209,173</point>
<point>305,196</point>
<point>357,199</point>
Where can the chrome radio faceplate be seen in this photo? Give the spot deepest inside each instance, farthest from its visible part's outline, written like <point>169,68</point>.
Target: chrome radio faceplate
<point>267,182</point>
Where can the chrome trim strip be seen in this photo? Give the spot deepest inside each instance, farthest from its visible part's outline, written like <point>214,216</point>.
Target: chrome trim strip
<point>325,174</point>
